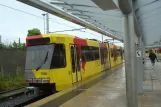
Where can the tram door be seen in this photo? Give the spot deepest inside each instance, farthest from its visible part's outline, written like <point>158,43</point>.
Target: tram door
<point>75,62</point>
<point>104,58</point>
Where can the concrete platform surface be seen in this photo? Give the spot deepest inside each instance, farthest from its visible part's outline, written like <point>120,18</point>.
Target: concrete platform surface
<point>152,86</point>
<point>109,92</point>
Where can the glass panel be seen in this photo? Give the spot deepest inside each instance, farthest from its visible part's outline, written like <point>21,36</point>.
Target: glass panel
<point>72,58</point>
<point>78,59</point>
<point>35,55</point>
<point>59,58</point>
<point>89,53</point>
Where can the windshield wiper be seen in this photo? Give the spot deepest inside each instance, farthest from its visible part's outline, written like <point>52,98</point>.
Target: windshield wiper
<point>43,62</point>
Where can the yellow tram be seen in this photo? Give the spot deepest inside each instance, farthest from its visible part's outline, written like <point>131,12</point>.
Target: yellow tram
<point>156,50</point>
<point>57,61</point>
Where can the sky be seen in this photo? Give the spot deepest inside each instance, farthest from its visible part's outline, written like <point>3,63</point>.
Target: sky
<point>17,18</point>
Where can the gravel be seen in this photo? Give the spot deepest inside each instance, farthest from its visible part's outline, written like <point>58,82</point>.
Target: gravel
<point>13,101</point>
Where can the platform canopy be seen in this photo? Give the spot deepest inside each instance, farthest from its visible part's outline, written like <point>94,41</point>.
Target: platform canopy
<point>148,15</point>
<point>107,20</point>
<point>105,17</point>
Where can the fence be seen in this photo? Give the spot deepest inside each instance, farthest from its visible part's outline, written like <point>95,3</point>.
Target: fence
<point>12,61</point>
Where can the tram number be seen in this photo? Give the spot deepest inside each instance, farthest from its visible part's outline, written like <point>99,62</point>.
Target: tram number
<point>43,73</point>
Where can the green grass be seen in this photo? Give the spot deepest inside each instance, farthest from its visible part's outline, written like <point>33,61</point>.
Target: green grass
<point>8,82</point>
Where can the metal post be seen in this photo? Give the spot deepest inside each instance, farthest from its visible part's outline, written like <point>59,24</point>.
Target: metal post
<point>144,56</point>
<point>139,64</point>
<point>102,38</point>
<point>47,23</point>
<point>130,61</point>
<point>44,21</point>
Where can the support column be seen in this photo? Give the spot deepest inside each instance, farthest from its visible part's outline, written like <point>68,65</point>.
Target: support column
<point>130,61</point>
<point>144,56</point>
<point>47,23</point>
<point>102,38</point>
<point>144,51</point>
<point>139,64</point>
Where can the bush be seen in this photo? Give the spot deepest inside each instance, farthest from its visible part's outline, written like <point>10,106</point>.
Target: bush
<point>8,82</point>
<point>33,32</point>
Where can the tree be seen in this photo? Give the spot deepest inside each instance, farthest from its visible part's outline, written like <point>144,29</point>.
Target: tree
<point>23,45</point>
<point>19,43</point>
<point>10,46</point>
<point>15,45</point>
<point>33,32</point>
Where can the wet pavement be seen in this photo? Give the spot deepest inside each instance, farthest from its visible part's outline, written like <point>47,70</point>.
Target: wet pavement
<point>151,86</point>
<point>109,92</point>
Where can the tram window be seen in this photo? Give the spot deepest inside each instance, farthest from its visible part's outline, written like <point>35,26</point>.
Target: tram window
<point>78,59</point>
<point>89,53</point>
<point>118,52</point>
<point>111,52</point>
<point>95,51</point>
<point>83,54</point>
<point>121,51</point>
<point>105,53</point>
<point>72,54</point>
<point>102,56</point>
<point>59,59</point>
<point>114,53</point>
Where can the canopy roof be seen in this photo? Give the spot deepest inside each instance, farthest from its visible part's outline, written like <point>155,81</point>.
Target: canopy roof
<point>105,17</point>
<point>86,13</point>
<point>148,14</point>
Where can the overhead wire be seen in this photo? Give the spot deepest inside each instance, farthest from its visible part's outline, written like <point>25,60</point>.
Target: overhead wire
<point>51,20</point>
<point>20,11</point>
<point>68,30</point>
<point>63,24</point>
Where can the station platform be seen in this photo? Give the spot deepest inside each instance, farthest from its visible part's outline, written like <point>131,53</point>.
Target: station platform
<point>151,86</point>
<point>108,90</point>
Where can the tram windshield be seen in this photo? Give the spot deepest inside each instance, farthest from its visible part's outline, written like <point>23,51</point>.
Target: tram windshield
<point>35,55</point>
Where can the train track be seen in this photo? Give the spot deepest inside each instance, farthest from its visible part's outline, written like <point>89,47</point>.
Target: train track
<point>30,100</point>
<point>19,99</point>
<point>3,92</point>
<point>9,93</point>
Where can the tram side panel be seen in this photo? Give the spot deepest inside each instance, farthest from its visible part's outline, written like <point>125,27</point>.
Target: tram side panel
<point>91,64</point>
<point>111,55</point>
<point>118,55</point>
<point>107,61</point>
<point>63,76</point>
<point>104,57</point>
